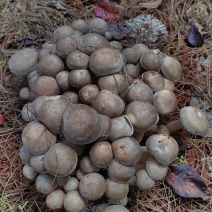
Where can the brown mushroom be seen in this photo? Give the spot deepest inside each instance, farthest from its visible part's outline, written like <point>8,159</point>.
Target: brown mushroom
<point>54,200</point>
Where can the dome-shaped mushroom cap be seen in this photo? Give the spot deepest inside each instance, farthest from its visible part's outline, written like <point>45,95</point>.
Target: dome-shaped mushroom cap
<point>80,25</point>
<point>116,208</point>
<point>140,49</point>
<point>23,62</point>
<point>156,170</point>
<point>171,68</point>
<point>81,124</point>
<point>54,200</point>
<point>60,160</point>
<point>165,101</point>
<point>163,147</point>
<point>29,172</point>
<point>92,186</point>
<point>63,31</point>
<point>97,25</point>
<point>90,42</point>
<point>45,183</point>
<point>143,180</point>
<point>194,120</point>
<point>74,202</point>
<point>49,110</point>
<point>106,61</point>
<point>141,114</point>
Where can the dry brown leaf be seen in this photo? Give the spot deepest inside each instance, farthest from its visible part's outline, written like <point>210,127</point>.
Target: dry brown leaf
<point>151,4</point>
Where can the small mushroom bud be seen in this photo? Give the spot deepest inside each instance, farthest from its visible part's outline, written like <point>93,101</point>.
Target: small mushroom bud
<point>29,172</point>
<point>143,181</point>
<point>54,200</point>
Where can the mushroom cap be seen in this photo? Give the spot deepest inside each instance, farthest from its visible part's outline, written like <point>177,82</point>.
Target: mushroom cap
<point>48,45</point>
<point>29,172</point>
<point>80,25</point>
<point>101,154</point>
<point>108,104</point>
<point>120,127</point>
<point>63,31</point>
<point>45,86</point>
<point>92,186</point>
<point>80,174</point>
<point>27,112</point>
<point>49,110</point>
<point>97,25</point>
<point>54,200</point>
<point>62,81</point>
<point>23,62</point>
<point>194,120</point>
<point>25,155</point>
<point>163,147</point>
<point>141,114</point>
<point>140,49</point>
<point>77,35</point>
<point>116,208</point>
<point>80,78</point>
<point>45,183</point>
<point>131,70</point>
<point>61,181</point>
<point>90,42</point>
<point>120,173</point>
<point>32,77</point>
<point>116,83</point>
<point>65,45</point>
<point>24,93</point>
<point>154,80</point>
<point>106,61</point>
<point>151,61</point>
<point>143,181</point>
<point>116,45</point>
<point>60,160</point>
<point>88,93</point>
<point>37,162</point>
<point>81,124</point>
<point>165,102</point>
<point>43,53</point>
<point>156,170</point>
<point>116,191</point>
<point>169,85</point>
<point>50,65</point>
<point>36,138</point>
<point>77,60</point>
<point>126,151</point>
<point>139,92</point>
<point>72,96</point>
<point>121,202</point>
<point>87,166</point>
<point>71,185</point>
<point>171,68</point>
<point>131,55</point>
<point>73,201</point>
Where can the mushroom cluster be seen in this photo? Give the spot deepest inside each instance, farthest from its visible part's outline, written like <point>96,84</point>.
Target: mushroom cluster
<point>89,102</point>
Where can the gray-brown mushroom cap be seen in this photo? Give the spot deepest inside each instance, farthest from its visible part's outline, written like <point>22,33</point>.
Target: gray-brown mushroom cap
<point>194,120</point>
<point>60,160</point>
<point>106,61</point>
<point>97,25</point>
<point>163,147</point>
<point>63,31</point>
<point>165,101</point>
<point>87,166</point>
<point>171,68</point>
<point>81,124</point>
<point>144,181</point>
<point>116,208</point>
<point>37,138</point>
<point>80,25</point>
<point>92,186</point>
<point>23,62</point>
<point>156,170</point>
<point>49,110</point>
<point>90,42</point>
<point>54,200</point>
<point>141,114</point>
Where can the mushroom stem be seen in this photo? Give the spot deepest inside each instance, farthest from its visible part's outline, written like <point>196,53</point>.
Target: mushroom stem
<point>174,126</point>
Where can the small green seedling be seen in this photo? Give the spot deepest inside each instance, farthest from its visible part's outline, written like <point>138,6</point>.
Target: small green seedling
<point>182,160</point>
<point>22,207</point>
<point>57,18</point>
<point>129,200</point>
<point>10,41</point>
<point>3,203</point>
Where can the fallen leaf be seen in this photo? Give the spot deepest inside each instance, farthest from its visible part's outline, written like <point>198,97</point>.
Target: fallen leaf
<point>2,119</point>
<point>118,31</point>
<point>151,4</point>
<point>194,37</point>
<point>106,11</point>
<point>186,182</point>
